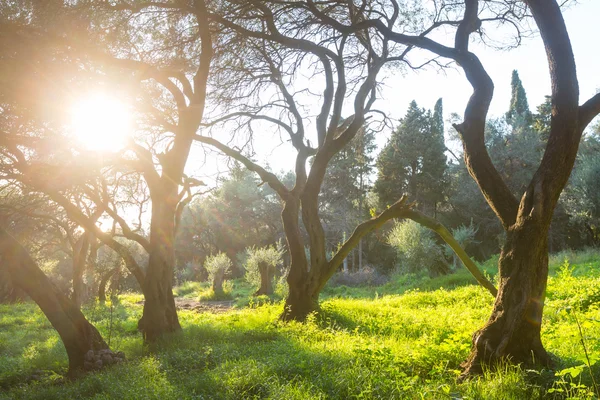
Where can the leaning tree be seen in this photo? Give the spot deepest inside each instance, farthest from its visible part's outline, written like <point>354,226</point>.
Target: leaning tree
<point>163,51</point>
<point>513,330</point>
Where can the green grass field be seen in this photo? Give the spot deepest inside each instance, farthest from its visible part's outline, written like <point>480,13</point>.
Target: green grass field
<point>403,340</point>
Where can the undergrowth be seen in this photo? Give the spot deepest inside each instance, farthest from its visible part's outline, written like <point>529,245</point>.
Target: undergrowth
<point>403,340</point>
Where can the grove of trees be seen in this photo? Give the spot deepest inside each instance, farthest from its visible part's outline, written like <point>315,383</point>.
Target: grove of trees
<point>226,78</point>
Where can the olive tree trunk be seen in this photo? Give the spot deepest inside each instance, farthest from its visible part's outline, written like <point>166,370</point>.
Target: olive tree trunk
<point>160,314</point>
<point>104,281</point>
<point>78,336</point>
<point>217,283</point>
<point>80,253</point>
<point>513,330</point>
<point>267,273</point>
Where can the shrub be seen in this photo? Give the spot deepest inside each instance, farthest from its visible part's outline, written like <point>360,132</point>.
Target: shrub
<point>464,235</point>
<point>368,276</point>
<point>417,249</point>
<point>217,266</point>
<point>261,265</point>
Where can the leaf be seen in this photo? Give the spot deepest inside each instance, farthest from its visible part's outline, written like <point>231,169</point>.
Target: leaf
<point>573,371</point>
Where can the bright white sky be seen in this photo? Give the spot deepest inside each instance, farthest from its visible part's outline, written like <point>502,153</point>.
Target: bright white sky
<point>427,86</point>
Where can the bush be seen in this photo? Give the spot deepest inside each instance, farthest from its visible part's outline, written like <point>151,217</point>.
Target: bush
<point>266,258</point>
<point>417,249</point>
<point>464,235</point>
<point>217,266</point>
<point>368,276</point>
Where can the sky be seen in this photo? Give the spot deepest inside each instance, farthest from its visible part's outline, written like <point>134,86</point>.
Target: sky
<point>529,59</point>
<point>425,87</point>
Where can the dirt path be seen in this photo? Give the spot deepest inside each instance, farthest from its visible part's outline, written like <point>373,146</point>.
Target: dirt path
<point>201,306</point>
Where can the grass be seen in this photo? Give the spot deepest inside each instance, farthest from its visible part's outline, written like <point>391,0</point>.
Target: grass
<point>403,340</point>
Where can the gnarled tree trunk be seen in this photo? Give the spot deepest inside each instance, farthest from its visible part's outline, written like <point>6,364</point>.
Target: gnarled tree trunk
<point>301,301</point>
<point>513,330</point>
<point>77,334</point>
<point>160,314</point>
<point>217,283</point>
<point>267,273</point>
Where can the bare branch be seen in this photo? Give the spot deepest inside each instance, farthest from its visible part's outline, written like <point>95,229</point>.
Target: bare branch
<point>265,175</point>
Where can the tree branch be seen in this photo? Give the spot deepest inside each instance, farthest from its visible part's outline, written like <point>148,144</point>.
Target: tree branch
<point>401,210</point>
<point>443,232</point>
<point>265,175</point>
<point>588,111</point>
<point>397,210</point>
<point>127,232</point>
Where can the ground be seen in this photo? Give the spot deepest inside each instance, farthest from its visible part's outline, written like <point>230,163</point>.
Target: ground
<point>403,340</point>
<point>215,306</point>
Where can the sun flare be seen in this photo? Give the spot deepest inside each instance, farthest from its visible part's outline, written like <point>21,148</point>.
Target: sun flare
<point>101,122</point>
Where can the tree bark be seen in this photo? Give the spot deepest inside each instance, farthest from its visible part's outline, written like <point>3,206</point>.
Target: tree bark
<point>76,333</point>
<point>91,270</point>
<point>79,262</point>
<point>104,281</point>
<point>301,300</point>
<point>217,283</point>
<point>267,273</point>
<point>160,314</point>
<point>513,330</point>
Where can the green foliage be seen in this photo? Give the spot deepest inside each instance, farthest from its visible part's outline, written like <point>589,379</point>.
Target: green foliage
<point>209,294</point>
<point>378,344</point>
<point>518,113</point>
<point>270,256</point>
<point>217,264</point>
<point>241,213</point>
<point>581,195</point>
<point>541,120</point>
<point>417,248</point>
<point>413,160</point>
<point>187,289</point>
<point>464,234</point>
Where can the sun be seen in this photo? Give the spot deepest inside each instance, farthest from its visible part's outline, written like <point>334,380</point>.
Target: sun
<point>101,122</point>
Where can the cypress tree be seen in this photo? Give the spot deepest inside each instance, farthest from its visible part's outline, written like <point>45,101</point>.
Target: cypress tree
<point>518,113</point>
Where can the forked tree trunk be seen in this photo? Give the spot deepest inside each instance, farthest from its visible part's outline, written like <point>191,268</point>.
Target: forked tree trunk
<point>267,273</point>
<point>301,300</point>
<point>76,333</point>
<point>513,330</point>
<point>160,314</point>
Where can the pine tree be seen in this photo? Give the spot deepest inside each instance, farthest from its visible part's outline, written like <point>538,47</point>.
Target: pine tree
<point>345,186</point>
<point>434,161</point>
<point>413,160</point>
<point>541,120</point>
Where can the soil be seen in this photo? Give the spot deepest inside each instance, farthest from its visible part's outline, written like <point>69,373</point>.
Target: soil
<point>201,306</point>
